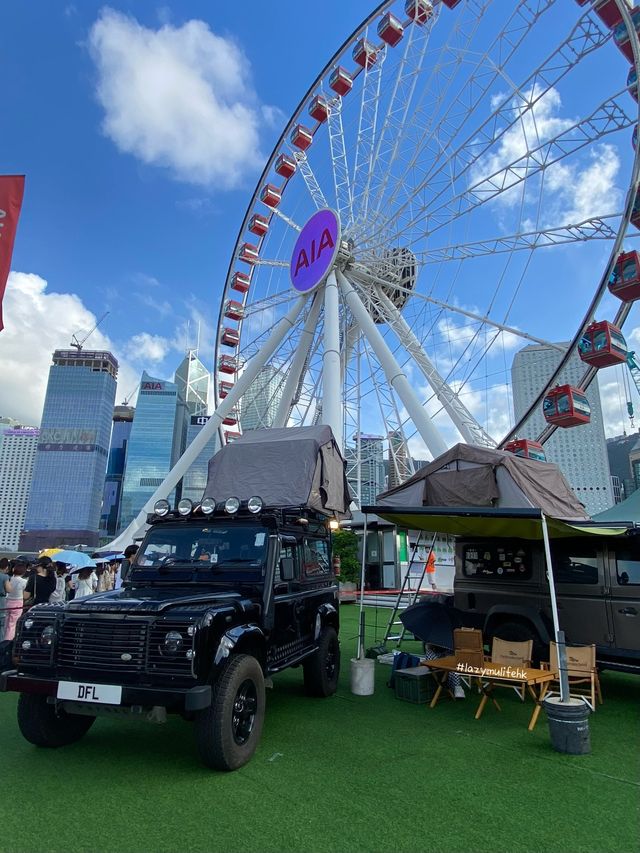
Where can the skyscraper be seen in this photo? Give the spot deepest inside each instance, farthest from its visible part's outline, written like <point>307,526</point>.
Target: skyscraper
<point>260,404</point>
<point>580,452</point>
<point>400,465</point>
<point>371,479</point>
<point>195,480</point>
<point>120,432</point>
<point>192,381</point>
<point>71,460</point>
<point>18,445</point>
<point>151,451</point>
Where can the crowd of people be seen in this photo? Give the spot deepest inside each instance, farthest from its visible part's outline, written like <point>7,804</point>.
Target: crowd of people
<point>25,582</point>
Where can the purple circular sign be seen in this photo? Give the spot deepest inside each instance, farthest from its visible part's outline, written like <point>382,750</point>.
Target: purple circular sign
<point>315,250</point>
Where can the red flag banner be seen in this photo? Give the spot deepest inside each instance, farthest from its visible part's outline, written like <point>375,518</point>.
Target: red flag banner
<point>11,192</point>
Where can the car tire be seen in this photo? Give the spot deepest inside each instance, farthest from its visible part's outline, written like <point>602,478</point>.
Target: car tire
<point>41,724</point>
<point>520,632</point>
<point>228,732</point>
<point>322,669</point>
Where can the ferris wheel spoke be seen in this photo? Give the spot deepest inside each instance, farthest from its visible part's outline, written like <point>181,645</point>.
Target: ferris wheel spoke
<point>270,262</point>
<point>608,118</point>
<point>310,180</point>
<point>339,163</point>
<point>462,418</point>
<point>282,297</point>
<point>367,125</point>
<point>584,38</point>
<point>277,212</point>
<point>596,228</point>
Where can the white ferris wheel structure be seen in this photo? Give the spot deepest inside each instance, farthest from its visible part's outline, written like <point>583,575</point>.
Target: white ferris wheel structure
<point>456,175</point>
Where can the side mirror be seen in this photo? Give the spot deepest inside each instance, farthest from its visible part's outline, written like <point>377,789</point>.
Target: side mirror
<point>287,569</point>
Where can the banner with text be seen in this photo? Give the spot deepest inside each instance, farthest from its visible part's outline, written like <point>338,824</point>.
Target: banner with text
<point>11,192</point>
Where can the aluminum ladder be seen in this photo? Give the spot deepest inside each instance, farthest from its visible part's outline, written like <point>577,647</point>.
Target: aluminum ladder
<point>393,621</point>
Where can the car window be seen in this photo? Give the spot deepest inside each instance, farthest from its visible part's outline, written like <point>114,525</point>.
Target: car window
<point>575,563</point>
<point>627,568</point>
<point>315,560</point>
<point>504,562</point>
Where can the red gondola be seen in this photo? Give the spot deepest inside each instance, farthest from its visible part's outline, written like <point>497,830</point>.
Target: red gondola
<point>270,195</point>
<point>230,436</point>
<point>419,11</point>
<point>233,310</point>
<point>224,388</point>
<point>632,82</point>
<point>241,282</point>
<point>364,53</point>
<point>526,448</point>
<point>625,278</point>
<point>621,34</point>
<point>450,4</point>
<point>230,337</point>
<point>319,108</point>
<point>301,137</point>
<point>249,253</point>
<point>603,345</point>
<point>228,364</point>
<point>341,81</point>
<point>258,225</point>
<point>566,406</point>
<point>608,12</point>
<point>390,29</point>
<point>285,165</point>
<point>231,419</point>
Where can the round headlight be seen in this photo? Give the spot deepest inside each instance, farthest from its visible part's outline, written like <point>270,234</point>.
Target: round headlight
<point>161,507</point>
<point>185,507</point>
<point>46,638</point>
<point>231,505</point>
<point>172,642</point>
<point>255,504</point>
<point>28,623</point>
<point>208,506</point>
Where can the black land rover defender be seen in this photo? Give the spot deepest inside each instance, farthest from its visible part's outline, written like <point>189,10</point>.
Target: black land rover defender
<point>218,599</point>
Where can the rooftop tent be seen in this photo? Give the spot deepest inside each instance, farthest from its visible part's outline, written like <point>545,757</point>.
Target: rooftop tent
<point>470,476</point>
<point>292,466</point>
<point>626,510</point>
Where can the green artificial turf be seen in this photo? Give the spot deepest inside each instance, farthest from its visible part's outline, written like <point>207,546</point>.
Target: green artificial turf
<point>343,774</point>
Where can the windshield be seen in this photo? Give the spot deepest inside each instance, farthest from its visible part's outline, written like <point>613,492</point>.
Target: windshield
<point>231,552</point>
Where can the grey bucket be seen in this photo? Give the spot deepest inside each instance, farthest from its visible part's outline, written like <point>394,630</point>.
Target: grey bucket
<point>568,725</point>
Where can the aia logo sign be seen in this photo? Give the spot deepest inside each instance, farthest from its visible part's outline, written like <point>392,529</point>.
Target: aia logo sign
<point>315,251</point>
<point>152,386</point>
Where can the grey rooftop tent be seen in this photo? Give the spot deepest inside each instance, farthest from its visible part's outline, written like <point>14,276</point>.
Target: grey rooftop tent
<point>471,476</point>
<point>292,466</point>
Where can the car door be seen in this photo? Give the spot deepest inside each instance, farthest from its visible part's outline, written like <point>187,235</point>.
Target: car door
<point>582,583</point>
<point>287,639</point>
<point>624,573</point>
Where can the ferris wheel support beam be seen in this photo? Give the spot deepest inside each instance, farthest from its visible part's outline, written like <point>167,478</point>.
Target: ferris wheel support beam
<point>331,367</point>
<point>462,418</point>
<point>281,329</point>
<point>287,400</point>
<point>395,376</point>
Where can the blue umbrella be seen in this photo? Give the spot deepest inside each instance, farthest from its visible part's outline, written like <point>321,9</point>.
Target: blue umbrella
<point>75,558</point>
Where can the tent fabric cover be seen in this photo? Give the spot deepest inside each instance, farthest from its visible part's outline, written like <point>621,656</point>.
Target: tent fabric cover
<point>626,510</point>
<point>506,481</point>
<point>292,466</point>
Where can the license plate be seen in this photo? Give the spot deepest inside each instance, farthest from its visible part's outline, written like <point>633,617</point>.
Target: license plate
<point>80,691</point>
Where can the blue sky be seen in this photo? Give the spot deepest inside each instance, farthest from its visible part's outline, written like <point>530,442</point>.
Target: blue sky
<point>133,205</point>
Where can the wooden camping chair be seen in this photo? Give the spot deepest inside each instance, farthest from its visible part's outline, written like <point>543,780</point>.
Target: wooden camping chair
<point>512,653</point>
<point>581,672</point>
<point>468,646</point>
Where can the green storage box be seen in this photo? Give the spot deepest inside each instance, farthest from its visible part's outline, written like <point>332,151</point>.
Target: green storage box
<point>415,684</point>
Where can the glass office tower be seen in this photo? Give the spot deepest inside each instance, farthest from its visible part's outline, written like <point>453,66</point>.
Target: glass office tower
<point>71,460</point>
<point>151,451</point>
<point>121,430</point>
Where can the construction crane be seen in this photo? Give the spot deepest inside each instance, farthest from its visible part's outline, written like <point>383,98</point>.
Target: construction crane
<point>634,370</point>
<point>78,344</point>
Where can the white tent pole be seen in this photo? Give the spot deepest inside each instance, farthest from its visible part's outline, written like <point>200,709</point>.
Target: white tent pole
<point>297,365</point>
<point>283,326</point>
<point>395,375</point>
<point>361,620</point>
<point>559,635</point>
<point>331,368</point>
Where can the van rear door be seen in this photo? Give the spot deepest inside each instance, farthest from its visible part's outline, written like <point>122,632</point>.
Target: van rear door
<point>624,572</point>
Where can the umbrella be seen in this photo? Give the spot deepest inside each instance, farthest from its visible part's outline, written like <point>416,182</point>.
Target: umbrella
<point>75,558</point>
<point>432,622</point>
<point>49,552</point>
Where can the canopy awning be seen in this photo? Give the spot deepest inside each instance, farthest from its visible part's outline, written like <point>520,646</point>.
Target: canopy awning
<point>472,522</point>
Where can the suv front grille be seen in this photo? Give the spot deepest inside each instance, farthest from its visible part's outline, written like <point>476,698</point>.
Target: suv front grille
<point>103,644</point>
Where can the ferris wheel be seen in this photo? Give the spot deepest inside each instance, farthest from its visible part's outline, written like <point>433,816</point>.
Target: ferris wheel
<point>457,182</point>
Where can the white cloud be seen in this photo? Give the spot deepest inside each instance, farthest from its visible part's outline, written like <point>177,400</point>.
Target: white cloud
<point>36,323</point>
<point>146,347</point>
<point>178,97</point>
